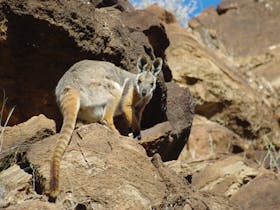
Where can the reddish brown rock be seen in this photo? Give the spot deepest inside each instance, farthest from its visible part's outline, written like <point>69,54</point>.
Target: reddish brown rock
<point>261,193</point>
<point>246,33</point>
<point>156,139</point>
<point>210,139</point>
<point>244,27</point>
<point>180,113</point>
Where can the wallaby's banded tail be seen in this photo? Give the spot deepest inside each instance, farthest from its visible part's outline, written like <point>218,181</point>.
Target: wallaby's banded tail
<point>69,104</point>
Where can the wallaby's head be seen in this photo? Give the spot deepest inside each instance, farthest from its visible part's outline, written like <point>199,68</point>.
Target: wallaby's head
<point>147,75</point>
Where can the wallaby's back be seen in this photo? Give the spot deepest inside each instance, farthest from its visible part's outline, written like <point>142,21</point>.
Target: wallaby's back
<point>85,74</point>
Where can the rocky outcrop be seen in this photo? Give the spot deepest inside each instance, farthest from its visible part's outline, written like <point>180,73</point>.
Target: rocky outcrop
<point>100,170</point>
<point>243,182</point>
<point>221,93</point>
<point>253,19</point>
<point>254,50</point>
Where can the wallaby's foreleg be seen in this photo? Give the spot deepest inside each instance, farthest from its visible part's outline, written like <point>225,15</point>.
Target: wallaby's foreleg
<point>138,111</point>
<point>133,121</point>
<point>140,108</point>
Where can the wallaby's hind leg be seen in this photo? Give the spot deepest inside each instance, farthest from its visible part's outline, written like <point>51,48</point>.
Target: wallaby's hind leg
<point>109,113</point>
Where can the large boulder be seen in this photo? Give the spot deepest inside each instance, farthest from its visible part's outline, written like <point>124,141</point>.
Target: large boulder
<point>16,140</point>
<point>180,113</point>
<point>34,129</point>
<point>169,138</point>
<point>261,193</point>
<point>209,139</point>
<point>101,169</point>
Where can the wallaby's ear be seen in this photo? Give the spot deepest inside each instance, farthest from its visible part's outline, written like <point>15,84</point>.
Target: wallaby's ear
<point>142,63</point>
<point>157,65</point>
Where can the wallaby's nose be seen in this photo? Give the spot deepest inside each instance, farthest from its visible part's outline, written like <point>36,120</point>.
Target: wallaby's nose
<point>144,92</point>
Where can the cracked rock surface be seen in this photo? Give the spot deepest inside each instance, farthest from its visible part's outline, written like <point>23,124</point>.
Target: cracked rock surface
<point>103,171</point>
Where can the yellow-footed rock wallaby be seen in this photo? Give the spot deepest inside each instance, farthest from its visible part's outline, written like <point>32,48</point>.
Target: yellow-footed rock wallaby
<point>96,91</point>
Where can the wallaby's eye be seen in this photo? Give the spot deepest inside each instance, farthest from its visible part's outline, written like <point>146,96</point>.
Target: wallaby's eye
<point>152,84</point>
<point>139,82</point>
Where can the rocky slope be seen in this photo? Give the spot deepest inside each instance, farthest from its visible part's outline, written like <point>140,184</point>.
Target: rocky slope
<point>223,157</point>
<point>245,33</point>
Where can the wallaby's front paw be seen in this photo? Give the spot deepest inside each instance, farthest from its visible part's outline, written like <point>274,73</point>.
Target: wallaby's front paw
<point>137,135</point>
